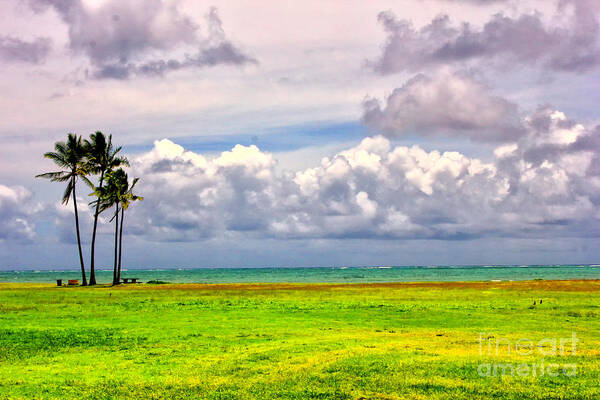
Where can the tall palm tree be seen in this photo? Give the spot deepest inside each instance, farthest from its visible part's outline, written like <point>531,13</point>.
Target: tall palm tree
<point>101,158</point>
<point>70,156</point>
<point>126,197</point>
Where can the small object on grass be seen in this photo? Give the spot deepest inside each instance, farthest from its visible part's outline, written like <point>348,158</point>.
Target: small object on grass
<point>73,282</point>
<point>130,280</point>
<point>534,302</point>
<point>157,282</point>
<point>59,282</point>
<point>541,301</point>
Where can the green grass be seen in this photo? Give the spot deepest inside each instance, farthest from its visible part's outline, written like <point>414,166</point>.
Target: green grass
<point>400,341</point>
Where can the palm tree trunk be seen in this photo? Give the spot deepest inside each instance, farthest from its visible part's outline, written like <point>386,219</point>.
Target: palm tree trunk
<point>83,280</point>
<point>121,242</point>
<point>116,280</point>
<point>92,269</point>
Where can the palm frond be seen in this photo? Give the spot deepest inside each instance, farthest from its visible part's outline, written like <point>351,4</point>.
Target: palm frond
<point>60,147</point>
<point>115,161</point>
<point>87,181</point>
<point>58,159</point>
<point>63,178</point>
<point>53,175</point>
<point>67,193</point>
<point>104,207</point>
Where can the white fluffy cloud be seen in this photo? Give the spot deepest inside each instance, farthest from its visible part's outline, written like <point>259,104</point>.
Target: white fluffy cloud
<point>21,211</point>
<point>546,183</point>
<point>16,210</point>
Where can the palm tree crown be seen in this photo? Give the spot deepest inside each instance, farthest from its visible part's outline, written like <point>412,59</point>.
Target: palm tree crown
<point>70,156</point>
<point>126,196</point>
<point>109,195</point>
<point>101,155</point>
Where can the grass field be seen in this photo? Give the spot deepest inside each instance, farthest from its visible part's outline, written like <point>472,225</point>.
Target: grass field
<point>296,341</point>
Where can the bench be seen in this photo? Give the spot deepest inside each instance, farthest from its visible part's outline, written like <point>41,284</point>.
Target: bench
<point>130,280</point>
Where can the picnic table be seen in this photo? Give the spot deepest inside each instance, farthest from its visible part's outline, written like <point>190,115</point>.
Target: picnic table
<point>70,282</point>
<point>130,280</point>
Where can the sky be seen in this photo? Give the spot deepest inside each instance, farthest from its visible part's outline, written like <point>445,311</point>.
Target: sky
<point>314,133</point>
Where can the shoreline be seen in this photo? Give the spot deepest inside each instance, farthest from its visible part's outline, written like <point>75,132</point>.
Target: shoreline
<point>550,284</point>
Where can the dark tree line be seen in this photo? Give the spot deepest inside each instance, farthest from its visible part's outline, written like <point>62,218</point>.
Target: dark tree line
<point>79,159</point>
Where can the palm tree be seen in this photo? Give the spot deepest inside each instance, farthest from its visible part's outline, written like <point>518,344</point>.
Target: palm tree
<point>126,196</point>
<point>69,155</point>
<point>101,158</point>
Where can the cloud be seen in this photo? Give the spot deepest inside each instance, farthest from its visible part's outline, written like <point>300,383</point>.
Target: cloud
<point>451,104</point>
<point>16,211</point>
<point>63,217</point>
<point>20,212</point>
<point>223,53</point>
<point>478,2</point>
<point>121,38</point>
<point>508,41</point>
<point>545,184</point>
<point>16,50</point>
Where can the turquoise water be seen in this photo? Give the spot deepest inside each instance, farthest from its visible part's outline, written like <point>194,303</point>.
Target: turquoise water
<point>333,274</point>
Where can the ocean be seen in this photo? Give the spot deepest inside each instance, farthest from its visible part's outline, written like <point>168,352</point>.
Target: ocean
<point>324,274</point>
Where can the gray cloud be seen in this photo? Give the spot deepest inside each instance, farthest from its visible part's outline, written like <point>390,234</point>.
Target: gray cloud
<point>16,50</point>
<point>504,40</point>
<point>121,30</point>
<point>224,53</point>
<point>119,37</point>
<point>448,104</point>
